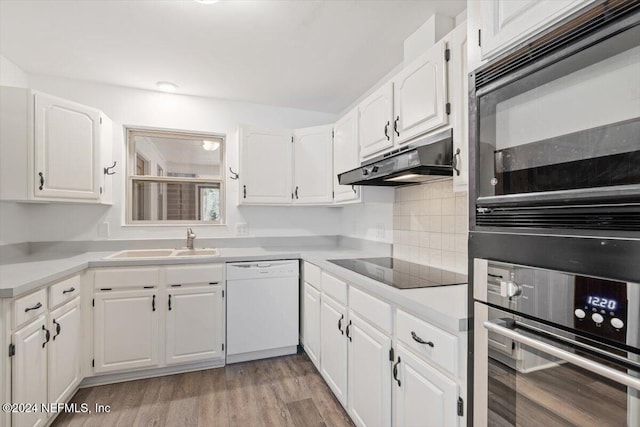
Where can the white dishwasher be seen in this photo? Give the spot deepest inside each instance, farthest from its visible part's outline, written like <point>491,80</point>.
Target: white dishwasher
<point>262,309</point>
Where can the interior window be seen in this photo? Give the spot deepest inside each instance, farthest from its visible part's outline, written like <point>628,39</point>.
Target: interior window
<point>174,177</point>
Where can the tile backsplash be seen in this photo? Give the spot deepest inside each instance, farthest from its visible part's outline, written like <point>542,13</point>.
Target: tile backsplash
<point>431,225</point>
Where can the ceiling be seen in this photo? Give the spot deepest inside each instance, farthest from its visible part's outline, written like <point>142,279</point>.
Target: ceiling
<point>315,55</point>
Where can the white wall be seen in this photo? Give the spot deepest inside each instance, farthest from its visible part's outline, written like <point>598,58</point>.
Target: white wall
<point>371,221</point>
<point>127,106</point>
<point>14,220</point>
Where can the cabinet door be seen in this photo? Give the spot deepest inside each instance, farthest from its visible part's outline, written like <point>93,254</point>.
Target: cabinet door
<point>313,165</point>
<point>459,98</point>
<point>195,324</point>
<point>64,350</point>
<point>125,330</point>
<point>375,125</point>
<point>333,347</point>
<point>422,395</point>
<point>369,381</point>
<point>266,165</point>
<point>506,23</point>
<point>312,323</point>
<point>29,372</point>
<point>345,155</point>
<point>420,95</point>
<point>66,149</point>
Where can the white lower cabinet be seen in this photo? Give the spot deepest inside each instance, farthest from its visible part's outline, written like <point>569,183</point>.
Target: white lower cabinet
<point>126,330</point>
<point>423,397</point>
<point>369,374</point>
<point>333,347</point>
<point>64,351</point>
<point>311,323</point>
<point>29,372</point>
<point>195,324</point>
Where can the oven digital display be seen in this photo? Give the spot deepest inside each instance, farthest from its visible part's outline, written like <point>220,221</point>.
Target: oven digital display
<point>602,302</point>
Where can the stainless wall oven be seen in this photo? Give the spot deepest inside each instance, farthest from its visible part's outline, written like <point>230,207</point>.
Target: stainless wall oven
<point>554,348</point>
<point>555,128</point>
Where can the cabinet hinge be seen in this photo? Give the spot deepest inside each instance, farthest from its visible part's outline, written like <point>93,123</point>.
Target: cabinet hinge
<point>447,54</point>
<point>12,350</point>
<point>392,355</point>
<point>333,194</point>
<point>291,196</point>
<point>333,133</point>
<point>292,140</point>
<point>100,190</point>
<point>223,346</point>
<point>448,108</point>
<point>222,294</point>
<point>93,363</point>
<point>100,120</point>
<point>479,37</point>
<point>460,406</point>
<point>93,302</point>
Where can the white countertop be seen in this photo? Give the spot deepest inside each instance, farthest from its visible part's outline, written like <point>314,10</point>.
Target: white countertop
<point>435,304</point>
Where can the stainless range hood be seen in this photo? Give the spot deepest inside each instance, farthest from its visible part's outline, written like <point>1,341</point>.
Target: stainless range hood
<point>425,159</point>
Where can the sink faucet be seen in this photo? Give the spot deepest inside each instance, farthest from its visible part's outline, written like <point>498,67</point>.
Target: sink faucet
<point>191,236</point>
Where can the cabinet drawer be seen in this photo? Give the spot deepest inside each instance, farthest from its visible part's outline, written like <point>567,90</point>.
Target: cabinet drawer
<point>193,274</point>
<point>64,290</point>
<point>371,308</point>
<point>444,351</point>
<point>312,275</point>
<point>335,288</point>
<point>125,278</point>
<point>29,307</point>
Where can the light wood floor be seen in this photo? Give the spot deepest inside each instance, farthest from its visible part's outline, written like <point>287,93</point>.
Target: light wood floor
<point>283,391</point>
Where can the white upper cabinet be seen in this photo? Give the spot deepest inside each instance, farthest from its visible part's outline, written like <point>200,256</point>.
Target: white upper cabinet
<point>505,23</point>
<point>52,149</point>
<point>375,124</point>
<point>313,165</point>
<point>266,159</point>
<point>420,95</point>
<point>66,149</point>
<point>459,99</point>
<point>345,155</point>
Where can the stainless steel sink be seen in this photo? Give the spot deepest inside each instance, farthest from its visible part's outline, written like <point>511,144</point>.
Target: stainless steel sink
<point>163,253</point>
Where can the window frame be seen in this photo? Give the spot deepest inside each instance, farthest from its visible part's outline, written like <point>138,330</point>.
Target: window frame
<point>131,177</point>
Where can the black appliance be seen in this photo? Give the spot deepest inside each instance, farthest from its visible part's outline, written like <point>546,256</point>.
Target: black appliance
<point>426,159</point>
<point>401,274</point>
<point>554,348</point>
<point>555,128</point>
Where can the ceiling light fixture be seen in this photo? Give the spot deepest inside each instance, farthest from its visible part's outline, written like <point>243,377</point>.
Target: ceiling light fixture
<point>167,86</point>
<point>210,145</point>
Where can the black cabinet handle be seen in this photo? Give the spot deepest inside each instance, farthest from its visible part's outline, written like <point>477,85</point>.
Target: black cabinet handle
<point>47,335</point>
<point>349,326</point>
<point>417,339</point>
<point>169,302</point>
<point>58,329</point>
<point>35,307</point>
<point>395,371</point>
<point>456,161</point>
<point>107,170</point>
<point>41,180</point>
<point>153,303</point>
<point>395,125</point>
<point>66,291</point>
<point>296,192</point>
<point>340,324</point>
<point>386,130</point>
<point>244,191</point>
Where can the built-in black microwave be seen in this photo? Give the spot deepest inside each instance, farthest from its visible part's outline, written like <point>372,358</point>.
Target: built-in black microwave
<point>555,128</point>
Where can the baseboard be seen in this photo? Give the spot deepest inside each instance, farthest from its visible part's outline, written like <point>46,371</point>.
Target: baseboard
<point>262,354</point>
<point>150,373</point>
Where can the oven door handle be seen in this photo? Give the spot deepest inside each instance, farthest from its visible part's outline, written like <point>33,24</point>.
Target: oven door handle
<point>569,357</point>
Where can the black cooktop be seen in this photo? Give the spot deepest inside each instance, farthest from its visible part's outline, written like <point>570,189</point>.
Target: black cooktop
<point>401,274</point>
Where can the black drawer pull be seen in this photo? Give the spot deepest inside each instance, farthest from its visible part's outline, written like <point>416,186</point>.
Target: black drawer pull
<point>66,291</point>
<point>58,329</point>
<point>214,283</point>
<point>349,326</point>
<point>395,371</point>
<point>340,324</point>
<point>417,339</point>
<point>35,307</point>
